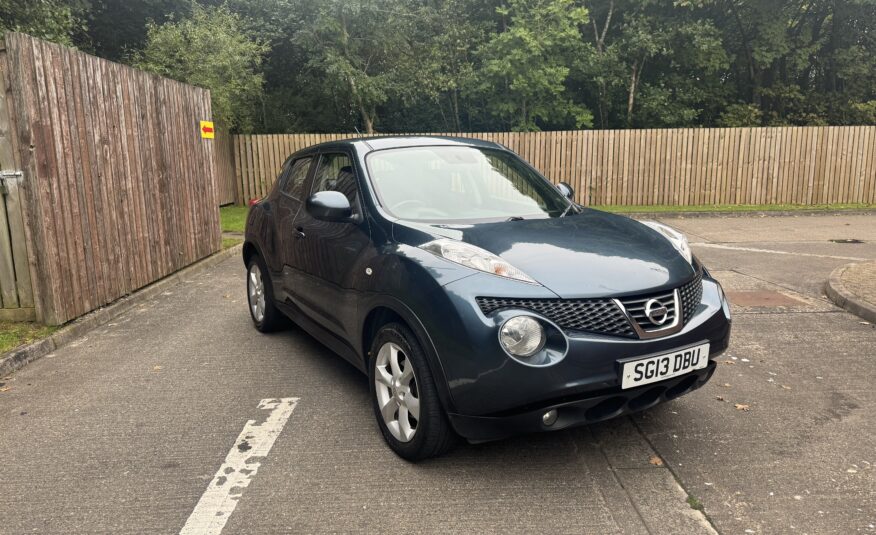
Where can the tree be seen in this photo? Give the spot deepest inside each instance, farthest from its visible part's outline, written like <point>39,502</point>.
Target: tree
<point>359,49</point>
<point>210,49</point>
<point>54,20</point>
<point>525,65</point>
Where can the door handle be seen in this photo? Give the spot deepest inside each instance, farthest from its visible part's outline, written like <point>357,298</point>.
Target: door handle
<point>299,233</point>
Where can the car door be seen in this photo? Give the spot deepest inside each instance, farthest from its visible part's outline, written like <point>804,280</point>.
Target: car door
<point>332,255</point>
<point>289,201</point>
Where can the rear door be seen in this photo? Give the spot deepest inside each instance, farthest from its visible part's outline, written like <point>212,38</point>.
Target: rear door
<point>332,256</point>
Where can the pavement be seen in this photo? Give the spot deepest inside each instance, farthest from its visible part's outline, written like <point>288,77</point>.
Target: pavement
<point>133,427</point>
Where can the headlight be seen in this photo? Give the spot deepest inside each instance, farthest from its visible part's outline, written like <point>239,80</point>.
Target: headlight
<point>475,258</point>
<point>677,239</point>
<point>522,336</point>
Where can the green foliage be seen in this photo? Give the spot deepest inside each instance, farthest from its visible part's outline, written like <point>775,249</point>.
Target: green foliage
<point>741,115</point>
<point>525,65</point>
<point>54,20</point>
<point>210,50</point>
<point>481,65</point>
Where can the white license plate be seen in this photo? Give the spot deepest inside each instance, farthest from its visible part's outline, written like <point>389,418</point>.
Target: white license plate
<point>659,367</point>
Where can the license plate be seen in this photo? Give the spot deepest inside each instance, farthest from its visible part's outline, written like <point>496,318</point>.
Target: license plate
<point>659,367</point>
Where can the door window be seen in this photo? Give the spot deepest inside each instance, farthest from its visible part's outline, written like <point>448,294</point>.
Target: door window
<point>335,173</point>
<point>294,184</point>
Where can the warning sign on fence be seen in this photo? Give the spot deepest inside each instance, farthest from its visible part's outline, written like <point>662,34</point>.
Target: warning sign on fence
<point>207,130</point>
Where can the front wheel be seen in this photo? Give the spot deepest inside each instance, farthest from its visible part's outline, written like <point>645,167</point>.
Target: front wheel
<point>260,297</point>
<point>405,398</point>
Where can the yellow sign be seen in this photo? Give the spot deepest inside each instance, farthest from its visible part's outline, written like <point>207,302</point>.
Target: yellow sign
<point>207,131</point>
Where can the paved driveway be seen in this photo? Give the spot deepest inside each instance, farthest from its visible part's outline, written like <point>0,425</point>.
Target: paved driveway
<point>124,430</point>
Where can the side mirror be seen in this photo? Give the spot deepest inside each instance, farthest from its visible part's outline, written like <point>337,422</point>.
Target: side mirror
<point>329,206</point>
<point>567,190</point>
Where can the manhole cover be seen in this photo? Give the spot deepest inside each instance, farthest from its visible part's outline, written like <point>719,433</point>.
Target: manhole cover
<point>847,240</point>
<point>762,298</point>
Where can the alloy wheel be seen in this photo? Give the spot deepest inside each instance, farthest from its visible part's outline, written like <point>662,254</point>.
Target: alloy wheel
<point>397,393</point>
<point>256,291</point>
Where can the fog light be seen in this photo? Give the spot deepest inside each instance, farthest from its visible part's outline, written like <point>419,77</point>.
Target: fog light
<point>522,336</point>
<point>549,418</point>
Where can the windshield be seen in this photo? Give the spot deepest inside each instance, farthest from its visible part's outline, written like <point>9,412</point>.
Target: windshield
<point>456,184</point>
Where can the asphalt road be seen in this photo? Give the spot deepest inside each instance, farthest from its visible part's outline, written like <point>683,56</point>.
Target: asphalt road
<point>124,430</point>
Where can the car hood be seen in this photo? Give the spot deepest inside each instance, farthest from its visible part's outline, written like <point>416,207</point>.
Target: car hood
<point>591,254</point>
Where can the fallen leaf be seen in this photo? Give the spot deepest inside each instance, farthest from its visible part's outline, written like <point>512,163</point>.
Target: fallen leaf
<point>786,387</point>
<point>742,407</point>
<point>726,385</point>
<point>720,398</point>
<point>156,368</point>
<point>656,461</point>
<point>5,388</point>
<point>727,362</point>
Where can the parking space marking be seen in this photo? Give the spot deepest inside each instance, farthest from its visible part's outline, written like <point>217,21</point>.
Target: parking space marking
<point>757,250</point>
<point>240,467</point>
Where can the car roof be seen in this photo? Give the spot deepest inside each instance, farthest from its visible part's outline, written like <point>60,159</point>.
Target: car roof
<point>372,143</point>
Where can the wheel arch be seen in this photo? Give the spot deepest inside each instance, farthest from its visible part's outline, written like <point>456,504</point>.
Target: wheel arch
<point>386,311</point>
<point>250,249</point>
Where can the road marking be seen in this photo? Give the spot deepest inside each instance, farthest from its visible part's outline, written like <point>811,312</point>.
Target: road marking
<point>240,467</point>
<point>756,250</point>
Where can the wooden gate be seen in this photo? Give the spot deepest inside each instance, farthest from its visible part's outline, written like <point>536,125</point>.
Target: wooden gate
<point>16,292</point>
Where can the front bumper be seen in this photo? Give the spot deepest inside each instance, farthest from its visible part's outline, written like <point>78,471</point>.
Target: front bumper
<point>493,395</point>
<point>579,412</point>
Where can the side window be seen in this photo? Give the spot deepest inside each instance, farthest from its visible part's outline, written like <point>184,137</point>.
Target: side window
<point>335,173</point>
<point>294,183</point>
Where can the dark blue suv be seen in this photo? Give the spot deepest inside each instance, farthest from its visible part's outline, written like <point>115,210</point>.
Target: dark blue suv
<point>478,297</point>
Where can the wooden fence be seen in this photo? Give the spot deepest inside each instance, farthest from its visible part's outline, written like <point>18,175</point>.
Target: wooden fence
<point>225,178</point>
<point>117,186</point>
<point>795,165</point>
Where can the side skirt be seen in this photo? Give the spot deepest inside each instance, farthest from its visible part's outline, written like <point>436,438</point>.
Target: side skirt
<point>324,336</point>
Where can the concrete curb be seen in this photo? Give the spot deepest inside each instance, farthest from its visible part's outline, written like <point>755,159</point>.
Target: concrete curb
<point>839,294</point>
<point>19,357</point>
<point>768,213</point>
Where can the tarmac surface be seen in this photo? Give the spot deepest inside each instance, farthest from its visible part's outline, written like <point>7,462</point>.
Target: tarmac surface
<point>133,427</point>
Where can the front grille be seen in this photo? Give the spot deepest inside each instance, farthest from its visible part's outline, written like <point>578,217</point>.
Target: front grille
<point>692,295</point>
<point>635,307</point>
<point>591,315</point>
<point>602,315</point>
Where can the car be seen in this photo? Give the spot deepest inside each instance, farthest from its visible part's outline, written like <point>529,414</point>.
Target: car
<point>480,300</point>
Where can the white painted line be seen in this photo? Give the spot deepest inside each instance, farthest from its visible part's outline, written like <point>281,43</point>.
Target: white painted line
<point>756,250</point>
<point>240,467</point>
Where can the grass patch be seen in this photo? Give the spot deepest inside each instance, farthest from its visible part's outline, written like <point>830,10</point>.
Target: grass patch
<point>233,218</point>
<point>624,209</point>
<point>695,503</point>
<point>14,334</point>
<point>230,242</point>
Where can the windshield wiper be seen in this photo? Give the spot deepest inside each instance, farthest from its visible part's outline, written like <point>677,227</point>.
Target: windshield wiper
<point>566,211</point>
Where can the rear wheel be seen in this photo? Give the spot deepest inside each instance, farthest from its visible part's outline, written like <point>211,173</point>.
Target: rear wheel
<point>260,297</point>
<point>405,398</point>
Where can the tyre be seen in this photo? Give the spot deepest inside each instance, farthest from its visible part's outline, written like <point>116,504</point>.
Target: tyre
<point>405,398</point>
<point>260,297</point>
